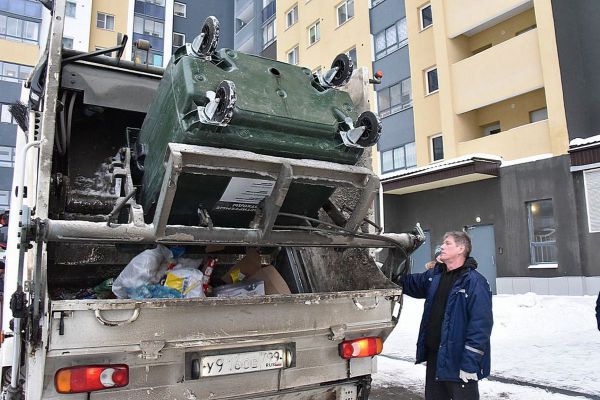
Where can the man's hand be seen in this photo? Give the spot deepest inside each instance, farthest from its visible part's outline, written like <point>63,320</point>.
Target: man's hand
<point>465,376</point>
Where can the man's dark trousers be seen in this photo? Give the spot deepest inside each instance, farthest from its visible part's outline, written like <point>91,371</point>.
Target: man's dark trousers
<point>447,390</point>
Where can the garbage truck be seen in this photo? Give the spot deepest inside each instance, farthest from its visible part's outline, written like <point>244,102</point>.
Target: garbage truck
<point>195,232</point>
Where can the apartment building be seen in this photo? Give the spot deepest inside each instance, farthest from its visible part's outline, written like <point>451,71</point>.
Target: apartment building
<point>500,95</point>
<point>20,30</point>
<point>166,24</point>
<point>255,27</point>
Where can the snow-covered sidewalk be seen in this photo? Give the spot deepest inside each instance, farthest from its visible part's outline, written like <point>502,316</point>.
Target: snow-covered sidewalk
<point>546,340</point>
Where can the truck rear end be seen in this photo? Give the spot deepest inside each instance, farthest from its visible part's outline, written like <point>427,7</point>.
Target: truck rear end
<point>326,307</point>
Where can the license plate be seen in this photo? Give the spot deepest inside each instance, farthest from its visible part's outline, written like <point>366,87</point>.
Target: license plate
<point>240,363</point>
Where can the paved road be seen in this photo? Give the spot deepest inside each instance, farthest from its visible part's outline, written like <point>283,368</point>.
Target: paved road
<point>394,393</point>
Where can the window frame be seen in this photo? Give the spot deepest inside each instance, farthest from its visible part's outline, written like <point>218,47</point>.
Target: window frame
<point>432,147</point>
<point>21,28</point>
<point>393,107</point>
<point>74,9</point>
<point>9,161</point>
<point>531,113</point>
<point>317,26</point>
<point>4,111</point>
<point>294,12</point>
<point>4,193</point>
<point>421,21</point>
<point>182,35</point>
<point>17,78</point>
<point>337,14</point>
<point>296,51</point>
<point>98,13</point>
<point>487,131</point>
<point>587,199</point>
<point>427,71</point>
<point>530,236</point>
<point>273,25</point>
<point>390,48</point>
<point>406,165</point>
<point>176,3</point>
<point>72,42</point>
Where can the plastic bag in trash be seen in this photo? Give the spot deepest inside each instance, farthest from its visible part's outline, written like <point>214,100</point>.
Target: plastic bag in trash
<point>144,269</point>
<point>187,281</point>
<point>153,292</point>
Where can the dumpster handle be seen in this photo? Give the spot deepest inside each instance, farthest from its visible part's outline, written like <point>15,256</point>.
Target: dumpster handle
<point>362,307</point>
<point>103,321</point>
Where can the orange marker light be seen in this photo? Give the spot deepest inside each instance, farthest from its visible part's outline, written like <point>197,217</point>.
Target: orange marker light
<point>379,74</point>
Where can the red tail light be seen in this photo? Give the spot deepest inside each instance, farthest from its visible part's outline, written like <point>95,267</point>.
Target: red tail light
<point>89,378</point>
<point>365,347</point>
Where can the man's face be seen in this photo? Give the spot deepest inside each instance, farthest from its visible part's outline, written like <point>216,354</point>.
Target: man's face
<point>450,250</point>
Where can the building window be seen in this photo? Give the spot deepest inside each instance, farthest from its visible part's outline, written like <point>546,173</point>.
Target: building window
<point>5,115</point>
<point>67,43</point>
<point>10,72</point>
<point>26,8</point>
<point>538,115</point>
<point>142,57</point>
<point>398,158</point>
<point>71,9</point>
<point>314,33</point>
<point>292,56</point>
<point>491,129</point>
<point>105,21</point>
<point>179,9</point>
<point>431,81</point>
<point>542,232</point>
<point>291,17</point>
<point>7,157</point>
<point>345,11</point>
<point>375,2</point>
<point>178,39</point>
<point>591,181</point>
<point>437,148</point>
<point>394,98</point>
<point>4,199</point>
<point>391,39</point>
<point>269,33</point>
<point>18,29</point>
<point>426,16</point>
<point>146,26</point>
<point>352,55</point>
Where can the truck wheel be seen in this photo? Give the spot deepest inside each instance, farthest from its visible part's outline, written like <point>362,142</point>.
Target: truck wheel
<point>211,36</point>
<point>345,68</point>
<point>227,98</point>
<point>372,129</point>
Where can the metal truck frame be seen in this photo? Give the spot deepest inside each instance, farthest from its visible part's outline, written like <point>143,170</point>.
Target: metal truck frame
<point>160,339</point>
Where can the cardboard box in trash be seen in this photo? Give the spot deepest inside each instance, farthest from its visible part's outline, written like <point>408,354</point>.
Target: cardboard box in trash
<point>274,282</point>
<point>247,266</point>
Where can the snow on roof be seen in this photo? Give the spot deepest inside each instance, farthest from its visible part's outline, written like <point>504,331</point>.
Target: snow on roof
<point>527,159</point>
<point>445,164</point>
<point>578,142</point>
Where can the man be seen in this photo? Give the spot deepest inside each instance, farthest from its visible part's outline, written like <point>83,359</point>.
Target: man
<point>454,337</point>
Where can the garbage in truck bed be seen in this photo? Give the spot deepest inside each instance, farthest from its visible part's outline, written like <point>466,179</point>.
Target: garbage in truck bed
<point>164,273</point>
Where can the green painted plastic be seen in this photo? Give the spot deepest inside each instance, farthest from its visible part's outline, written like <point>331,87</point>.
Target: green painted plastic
<point>279,111</point>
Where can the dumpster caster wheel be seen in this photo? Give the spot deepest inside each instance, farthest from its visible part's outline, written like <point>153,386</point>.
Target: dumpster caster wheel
<point>227,97</point>
<point>345,67</point>
<point>372,129</point>
<point>209,37</point>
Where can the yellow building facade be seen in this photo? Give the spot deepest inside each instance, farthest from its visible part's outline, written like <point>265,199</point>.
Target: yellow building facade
<point>109,18</point>
<point>486,80</point>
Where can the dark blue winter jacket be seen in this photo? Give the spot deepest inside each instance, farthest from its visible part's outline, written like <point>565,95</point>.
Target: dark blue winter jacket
<point>467,324</point>
<point>598,311</point>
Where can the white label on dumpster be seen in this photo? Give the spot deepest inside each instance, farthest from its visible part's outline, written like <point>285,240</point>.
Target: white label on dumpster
<point>244,194</point>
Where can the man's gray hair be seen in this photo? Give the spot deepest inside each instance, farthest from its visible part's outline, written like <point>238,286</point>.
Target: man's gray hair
<point>461,239</point>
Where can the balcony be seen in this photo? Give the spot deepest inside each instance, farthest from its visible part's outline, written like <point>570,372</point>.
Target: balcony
<point>246,33</point>
<point>268,12</point>
<point>504,71</point>
<point>533,139</point>
<point>472,16</point>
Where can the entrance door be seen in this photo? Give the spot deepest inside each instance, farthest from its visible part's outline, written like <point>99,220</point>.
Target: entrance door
<point>484,251</point>
<point>422,255</point>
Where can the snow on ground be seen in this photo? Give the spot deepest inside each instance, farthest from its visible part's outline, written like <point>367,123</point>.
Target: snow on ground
<point>547,340</point>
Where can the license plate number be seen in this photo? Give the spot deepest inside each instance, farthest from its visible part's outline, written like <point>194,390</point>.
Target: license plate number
<point>240,363</point>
